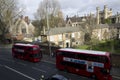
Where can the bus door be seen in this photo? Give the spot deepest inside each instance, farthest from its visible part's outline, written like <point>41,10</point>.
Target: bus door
<point>26,53</point>
<point>89,66</point>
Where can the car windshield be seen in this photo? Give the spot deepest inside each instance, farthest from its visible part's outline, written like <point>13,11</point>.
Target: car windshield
<point>58,79</point>
<point>54,79</point>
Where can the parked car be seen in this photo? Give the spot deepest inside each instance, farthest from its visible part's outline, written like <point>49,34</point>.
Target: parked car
<point>57,77</point>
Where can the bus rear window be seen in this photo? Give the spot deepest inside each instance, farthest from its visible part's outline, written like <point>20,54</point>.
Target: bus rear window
<point>18,47</point>
<point>32,48</point>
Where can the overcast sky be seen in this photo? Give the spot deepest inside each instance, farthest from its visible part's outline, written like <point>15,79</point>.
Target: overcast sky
<point>72,7</point>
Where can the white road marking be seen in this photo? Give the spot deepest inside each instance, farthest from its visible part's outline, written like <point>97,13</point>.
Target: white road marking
<point>116,77</point>
<point>19,72</point>
<point>38,69</point>
<point>48,62</point>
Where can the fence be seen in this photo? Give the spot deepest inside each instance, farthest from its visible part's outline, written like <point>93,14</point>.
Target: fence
<point>115,60</point>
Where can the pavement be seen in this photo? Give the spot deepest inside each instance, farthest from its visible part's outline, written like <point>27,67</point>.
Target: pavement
<point>6,45</point>
<point>116,71</point>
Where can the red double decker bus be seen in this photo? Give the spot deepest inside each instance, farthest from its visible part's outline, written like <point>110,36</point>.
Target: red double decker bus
<point>28,52</point>
<point>95,64</point>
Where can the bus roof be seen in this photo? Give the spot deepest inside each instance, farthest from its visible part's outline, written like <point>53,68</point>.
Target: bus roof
<point>22,44</point>
<point>84,51</point>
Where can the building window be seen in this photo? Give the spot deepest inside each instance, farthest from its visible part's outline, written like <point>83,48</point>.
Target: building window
<point>23,30</point>
<point>60,37</point>
<point>73,35</point>
<point>66,35</point>
<point>69,22</point>
<point>76,24</point>
<point>78,34</point>
<point>77,42</point>
<point>73,40</point>
<point>51,38</point>
<point>60,43</point>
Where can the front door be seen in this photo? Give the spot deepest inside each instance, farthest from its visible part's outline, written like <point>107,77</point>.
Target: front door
<point>67,44</point>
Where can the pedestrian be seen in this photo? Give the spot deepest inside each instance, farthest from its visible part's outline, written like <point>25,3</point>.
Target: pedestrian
<point>52,54</point>
<point>42,77</point>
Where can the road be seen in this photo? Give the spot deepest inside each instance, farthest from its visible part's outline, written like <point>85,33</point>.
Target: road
<point>15,69</point>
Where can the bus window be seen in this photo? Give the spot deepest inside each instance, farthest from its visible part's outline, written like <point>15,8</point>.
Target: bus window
<point>59,53</point>
<point>103,59</point>
<point>81,56</point>
<point>35,55</point>
<point>32,48</point>
<point>68,54</point>
<point>74,65</point>
<point>71,55</point>
<point>19,47</point>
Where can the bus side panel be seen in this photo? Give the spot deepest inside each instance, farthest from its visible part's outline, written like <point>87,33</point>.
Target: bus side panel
<point>58,63</point>
<point>34,55</point>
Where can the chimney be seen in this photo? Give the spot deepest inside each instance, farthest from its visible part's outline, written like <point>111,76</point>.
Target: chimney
<point>27,19</point>
<point>21,17</point>
<point>97,14</point>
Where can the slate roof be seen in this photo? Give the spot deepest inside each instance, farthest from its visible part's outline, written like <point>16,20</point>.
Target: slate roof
<point>61,30</point>
<point>116,25</point>
<point>75,19</point>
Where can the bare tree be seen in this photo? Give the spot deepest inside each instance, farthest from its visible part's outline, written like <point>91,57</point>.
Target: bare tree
<point>8,13</point>
<point>50,8</point>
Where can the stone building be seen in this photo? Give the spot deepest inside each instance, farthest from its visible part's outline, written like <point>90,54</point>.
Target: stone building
<point>22,28</point>
<point>78,21</point>
<point>66,36</point>
<point>115,18</point>
<point>106,31</point>
<point>75,21</point>
<point>101,16</point>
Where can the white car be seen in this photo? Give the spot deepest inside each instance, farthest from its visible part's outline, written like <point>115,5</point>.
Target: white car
<point>58,77</point>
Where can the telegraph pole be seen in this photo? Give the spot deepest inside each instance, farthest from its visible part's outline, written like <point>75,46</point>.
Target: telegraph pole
<point>48,28</point>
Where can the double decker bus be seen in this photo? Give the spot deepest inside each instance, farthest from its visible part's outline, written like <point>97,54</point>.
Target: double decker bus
<point>89,63</point>
<point>28,52</point>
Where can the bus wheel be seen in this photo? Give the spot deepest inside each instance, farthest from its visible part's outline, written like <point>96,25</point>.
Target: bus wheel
<point>94,77</point>
<point>66,70</point>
